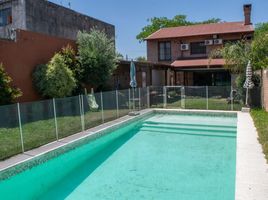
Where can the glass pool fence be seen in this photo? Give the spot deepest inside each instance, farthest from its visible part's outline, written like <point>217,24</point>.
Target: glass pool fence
<point>24,126</point>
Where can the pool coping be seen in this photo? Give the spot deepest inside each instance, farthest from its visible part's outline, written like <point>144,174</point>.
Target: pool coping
<point>251,181</point>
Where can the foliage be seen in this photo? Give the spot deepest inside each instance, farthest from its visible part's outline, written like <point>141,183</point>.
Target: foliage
<point>141,58</point>
<point>157,23</point>
<point>54,80</point>
<point>97,56</point>
<point>70,60</point>
<point>260,118</point>
<point>7,93</point>
<point>238,54</point>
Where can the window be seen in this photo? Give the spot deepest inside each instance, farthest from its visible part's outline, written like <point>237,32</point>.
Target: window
<point>198,48</point>
<point>164,49</point>
<point>5,17</point>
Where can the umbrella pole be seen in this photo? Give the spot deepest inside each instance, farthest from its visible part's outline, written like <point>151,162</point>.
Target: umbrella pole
<point>133,90</point>
<point>247,98</point>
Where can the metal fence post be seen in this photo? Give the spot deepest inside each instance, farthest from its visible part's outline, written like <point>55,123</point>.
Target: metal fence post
<point>183,97</point>
<point>232,98</point>
<point>129,99</point>
<point>207,96</point>
<point>139,98</point>
<point>20,126</point>
<point>55,119</point>
<point>81,112</point>
<point>102,114</point>
<point>164,97</point>
<point>117,106</point>
<point>148,96</point>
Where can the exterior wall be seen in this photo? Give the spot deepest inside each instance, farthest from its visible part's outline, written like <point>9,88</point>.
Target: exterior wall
<point>21,57</point>
<point>176,53</point>
<point>45,17</point>
<point>158,77</point>
<point>265,89</point>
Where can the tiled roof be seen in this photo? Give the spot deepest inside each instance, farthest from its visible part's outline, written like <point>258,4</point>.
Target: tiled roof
<point>198,63</point>
<point>201,29</point>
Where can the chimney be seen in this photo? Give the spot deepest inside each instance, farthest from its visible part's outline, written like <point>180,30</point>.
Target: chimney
<point>247,13</point>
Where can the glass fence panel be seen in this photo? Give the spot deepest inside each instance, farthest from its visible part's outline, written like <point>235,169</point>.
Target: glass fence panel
<point>38,125</point>
<point>220,98</point>
<point>10,142</point>
<point>174,97</point>
<point>68,116</point>
<point>195,97</point>
<point>124,101</point>
<point>144,97</point>
<point>92,110</point>
<point>156,97</point>
<point>109,106</point>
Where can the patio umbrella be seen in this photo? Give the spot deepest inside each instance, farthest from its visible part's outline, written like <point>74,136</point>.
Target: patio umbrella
<point>248,83</point>
<point>133,82</point>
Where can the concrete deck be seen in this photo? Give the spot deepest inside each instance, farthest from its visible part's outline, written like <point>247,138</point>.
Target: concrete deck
<point>252,169</point>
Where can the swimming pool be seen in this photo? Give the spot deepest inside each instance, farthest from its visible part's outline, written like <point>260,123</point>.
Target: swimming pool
<point>160,156</point>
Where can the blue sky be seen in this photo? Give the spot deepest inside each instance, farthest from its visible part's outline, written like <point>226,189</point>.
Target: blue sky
<point>130,16</point>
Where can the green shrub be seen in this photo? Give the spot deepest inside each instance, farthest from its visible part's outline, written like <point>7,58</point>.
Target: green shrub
<point>8,94</point>
<point>54,80</point>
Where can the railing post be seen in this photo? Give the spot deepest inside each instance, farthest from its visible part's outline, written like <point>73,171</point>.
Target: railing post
<point>183,97</point>
<point>129,99</point>
<point>164,97</point>
<point>117,104</point>
<point>148,96</point>
<point>207,96</point>
<point>102,114</point>
<point>232,99</point>
<point>139,98</point>
<point>20,127</point>
<point>81,112</point>
<point>55,119</point>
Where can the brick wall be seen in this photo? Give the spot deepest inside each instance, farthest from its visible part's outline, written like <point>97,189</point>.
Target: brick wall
<point>265,89</point>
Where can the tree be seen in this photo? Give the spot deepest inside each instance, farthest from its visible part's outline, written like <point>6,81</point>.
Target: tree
<point>8,94</point>
<point>97,56</point>
<point>157,23</point>
<point>55,79</point>
<point>238,54</point>
<point>141,58</point>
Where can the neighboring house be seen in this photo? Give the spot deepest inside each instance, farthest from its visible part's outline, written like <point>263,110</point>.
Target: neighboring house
<point>32,31</point>
<point>187,50</point>
<point>42,16</point>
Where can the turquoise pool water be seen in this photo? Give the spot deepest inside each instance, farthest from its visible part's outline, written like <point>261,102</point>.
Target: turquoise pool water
<point>166,156</point>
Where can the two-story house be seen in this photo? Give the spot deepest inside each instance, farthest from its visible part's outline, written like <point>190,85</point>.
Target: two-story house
<point>187,50</point>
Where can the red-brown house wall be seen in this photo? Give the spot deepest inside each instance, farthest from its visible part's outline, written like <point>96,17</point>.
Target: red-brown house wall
<point>21,57</point>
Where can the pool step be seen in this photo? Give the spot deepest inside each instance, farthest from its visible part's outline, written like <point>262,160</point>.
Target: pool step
<point>153,130</point>
<point>190,127</point>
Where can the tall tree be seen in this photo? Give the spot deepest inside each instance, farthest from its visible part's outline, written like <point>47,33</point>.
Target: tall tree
<point>157,23</point>
<point>8,94</point>
<point>97,56</point>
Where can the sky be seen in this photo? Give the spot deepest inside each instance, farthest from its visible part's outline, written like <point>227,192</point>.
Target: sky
<point>130,16</point>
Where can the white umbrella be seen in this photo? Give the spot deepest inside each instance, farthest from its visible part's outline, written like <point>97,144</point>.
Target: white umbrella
<point>248,83</point>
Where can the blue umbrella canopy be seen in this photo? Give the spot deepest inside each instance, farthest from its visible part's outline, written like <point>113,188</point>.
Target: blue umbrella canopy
<point>249,83</point>
<point>133,82</point>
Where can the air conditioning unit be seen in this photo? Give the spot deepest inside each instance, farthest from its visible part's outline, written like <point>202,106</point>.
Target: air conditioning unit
<point>217,41</point>
<point>208,42</point>
<point>184,47</point>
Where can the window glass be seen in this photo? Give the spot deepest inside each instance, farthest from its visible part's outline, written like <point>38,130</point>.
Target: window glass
<point>5,16</point>
<point>164,51</point>
<point>198,48</point>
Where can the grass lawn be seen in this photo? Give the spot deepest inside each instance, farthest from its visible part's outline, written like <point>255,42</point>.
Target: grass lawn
<point>41,132</point>
<point>260,118</point>
<point>201,103</point>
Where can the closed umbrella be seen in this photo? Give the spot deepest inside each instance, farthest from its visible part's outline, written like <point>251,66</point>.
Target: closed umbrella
<point>248,83</point>
<point>133,82</point>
